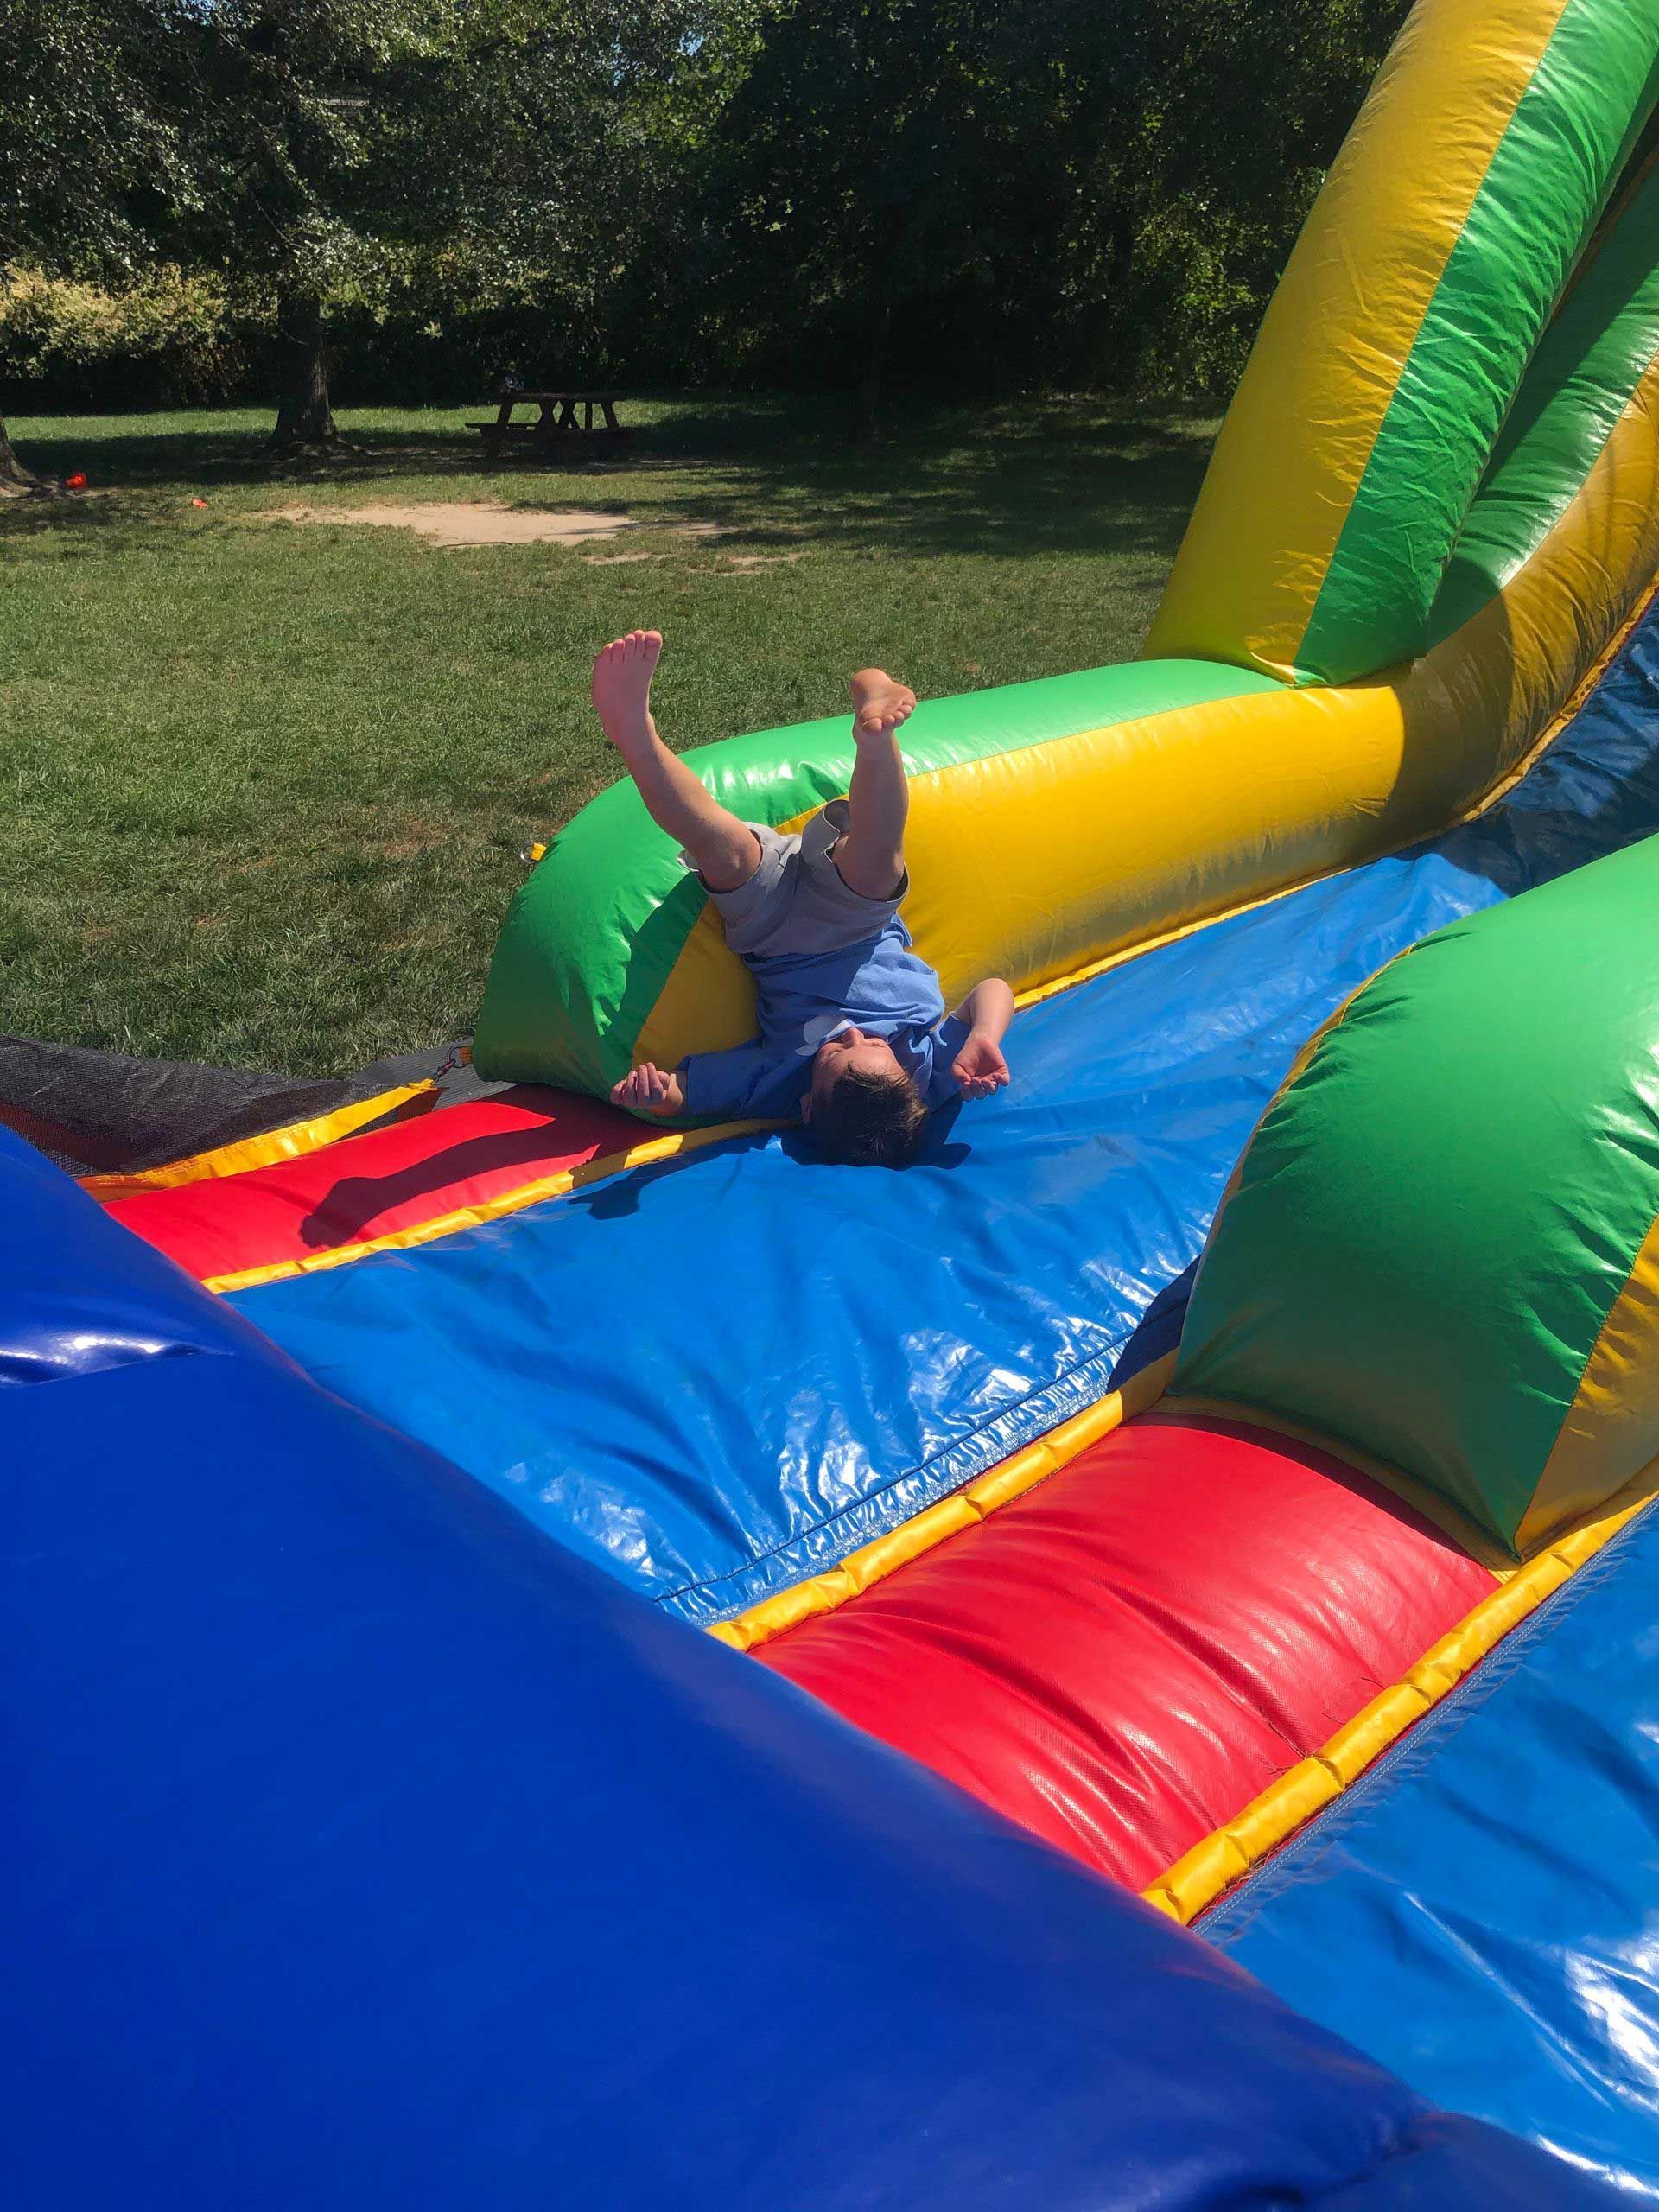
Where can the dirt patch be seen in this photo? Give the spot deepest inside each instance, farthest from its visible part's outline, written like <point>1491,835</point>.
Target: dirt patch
<point>478,522</point>
<point>406,840</point>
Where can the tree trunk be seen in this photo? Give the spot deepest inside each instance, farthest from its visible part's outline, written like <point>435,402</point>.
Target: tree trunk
<point>868,394</point>
<point>303,415</point>
<point>14,477</point>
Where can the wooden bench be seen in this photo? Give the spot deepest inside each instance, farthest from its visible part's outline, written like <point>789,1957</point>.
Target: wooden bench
<point>555,422</point>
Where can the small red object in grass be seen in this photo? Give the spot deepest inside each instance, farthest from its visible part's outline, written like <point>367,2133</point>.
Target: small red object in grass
<point>198,503</point>
<point>75,483</point>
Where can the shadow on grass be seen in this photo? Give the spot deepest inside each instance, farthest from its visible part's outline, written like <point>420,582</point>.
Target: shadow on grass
<point>136,461</point>
<point>1054,477</point>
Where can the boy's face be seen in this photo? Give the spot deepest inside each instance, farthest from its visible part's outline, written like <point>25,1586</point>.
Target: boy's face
<point>848,1049</point>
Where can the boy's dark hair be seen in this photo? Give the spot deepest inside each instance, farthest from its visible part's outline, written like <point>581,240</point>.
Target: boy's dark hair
<point>869,1121</point>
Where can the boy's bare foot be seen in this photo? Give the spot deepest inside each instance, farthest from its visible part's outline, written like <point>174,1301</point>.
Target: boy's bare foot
<point>881,703</point>
<point>622,676</point>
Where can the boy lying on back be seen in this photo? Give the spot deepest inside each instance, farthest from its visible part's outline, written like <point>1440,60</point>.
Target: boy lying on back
<point>853,1039</point>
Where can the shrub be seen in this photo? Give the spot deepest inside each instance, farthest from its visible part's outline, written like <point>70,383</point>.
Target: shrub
<point>168,337</point>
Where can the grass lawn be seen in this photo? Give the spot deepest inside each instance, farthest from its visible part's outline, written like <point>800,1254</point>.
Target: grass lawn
<point>267,784</point>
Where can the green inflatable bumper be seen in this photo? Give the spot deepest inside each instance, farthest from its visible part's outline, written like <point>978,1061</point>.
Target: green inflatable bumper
<point>1441,1252</point>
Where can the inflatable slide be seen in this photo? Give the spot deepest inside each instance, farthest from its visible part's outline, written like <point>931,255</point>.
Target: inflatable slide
<point>559,1661</point>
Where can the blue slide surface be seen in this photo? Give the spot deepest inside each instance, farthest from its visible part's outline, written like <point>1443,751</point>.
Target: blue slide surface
<point>715,1379</point>
<point>1478,1909</point>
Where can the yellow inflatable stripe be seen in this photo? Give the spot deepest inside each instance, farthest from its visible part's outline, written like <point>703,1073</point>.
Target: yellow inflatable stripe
<point>966,1508</point>
<point>1201,1875</point>
<point>1534,753</point>
<point>1340,329</point>
<point>669,1147</point>
<point>1616,1405</point>
<point>264,1151</point>
<point>1050,799</point>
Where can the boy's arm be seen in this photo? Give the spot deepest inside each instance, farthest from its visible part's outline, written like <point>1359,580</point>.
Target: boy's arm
<point>746,1083</point>
<point>979,1067</point>
<point>650,1089</point>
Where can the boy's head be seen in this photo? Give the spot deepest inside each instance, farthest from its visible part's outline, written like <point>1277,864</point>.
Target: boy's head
<point>862,1107</point>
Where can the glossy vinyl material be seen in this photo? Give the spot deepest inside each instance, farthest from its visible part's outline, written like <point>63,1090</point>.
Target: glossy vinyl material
<point>1398,336</point>
<point>363,1850</point>
<point>1123,1657</point>
<point>1547,181</point>
<point>1090,815</point>
<point>78,1298</point>
<point>393,1179</point>
<point>1480,1910</point>
<point>845,1348</point>
<point>1505,1076</point>
<point>1589,363</point>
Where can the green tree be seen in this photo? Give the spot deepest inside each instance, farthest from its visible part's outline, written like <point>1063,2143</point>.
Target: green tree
<point>89,152</point>
<point>590,114</point>
<point>302,181</point>
<point>1189,144</point>
<point>1089,186</point>
<point>878,151</point>
<point>1001,192</point>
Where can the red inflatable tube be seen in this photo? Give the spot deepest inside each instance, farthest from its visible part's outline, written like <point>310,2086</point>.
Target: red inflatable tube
<point>1122,1659</point>
<point>392,1179</point>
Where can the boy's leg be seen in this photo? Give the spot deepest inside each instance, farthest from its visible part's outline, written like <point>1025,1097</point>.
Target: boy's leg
<point>871,854</point>
<point>726,851</point>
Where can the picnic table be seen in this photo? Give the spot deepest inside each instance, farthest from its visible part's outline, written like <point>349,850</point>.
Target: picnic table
<point>555,421</point>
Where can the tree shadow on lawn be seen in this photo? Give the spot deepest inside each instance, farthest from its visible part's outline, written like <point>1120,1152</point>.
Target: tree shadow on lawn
<point>1055,478</point>
<point>118,460</point>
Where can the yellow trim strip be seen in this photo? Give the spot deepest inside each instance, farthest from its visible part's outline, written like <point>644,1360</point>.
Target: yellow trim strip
<point>293,1142</point>
<point>526,1194</point>
<point>1203,1874</point>
<point>965,1508</point>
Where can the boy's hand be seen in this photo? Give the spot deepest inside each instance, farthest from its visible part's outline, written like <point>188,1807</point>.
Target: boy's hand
<point>648,1090</point>
<point>979,1067</point>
